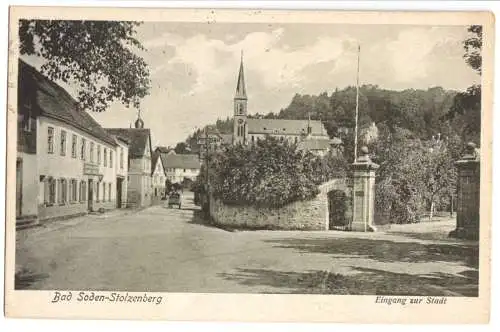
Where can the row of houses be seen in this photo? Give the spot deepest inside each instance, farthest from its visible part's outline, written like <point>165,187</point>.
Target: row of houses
<point>67,164</point>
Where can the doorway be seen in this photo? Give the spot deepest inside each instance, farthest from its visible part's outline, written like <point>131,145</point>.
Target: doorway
<point>90,199</point>
<point>119,185</point>
<point>337,209</point>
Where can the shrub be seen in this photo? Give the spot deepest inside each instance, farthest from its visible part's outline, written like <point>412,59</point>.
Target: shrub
<point>270,173</point>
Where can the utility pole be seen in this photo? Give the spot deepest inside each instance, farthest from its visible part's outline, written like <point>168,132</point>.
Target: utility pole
<point>357,110</point>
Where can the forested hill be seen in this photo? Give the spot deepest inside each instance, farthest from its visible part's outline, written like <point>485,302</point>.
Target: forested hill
<point>420,111</point>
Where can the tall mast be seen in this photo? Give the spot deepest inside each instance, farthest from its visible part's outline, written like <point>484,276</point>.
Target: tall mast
<point>357,110</point>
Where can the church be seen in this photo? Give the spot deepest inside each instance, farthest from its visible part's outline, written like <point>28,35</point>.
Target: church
<point>305,133</point>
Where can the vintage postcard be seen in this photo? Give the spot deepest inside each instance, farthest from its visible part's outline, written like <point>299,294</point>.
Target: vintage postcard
<point>249,165</point>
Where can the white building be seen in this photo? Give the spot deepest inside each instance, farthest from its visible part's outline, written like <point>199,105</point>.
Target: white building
<point>181,166</point>
<point>66,161</point>
<point>140,185</point>
<point>158,176</point>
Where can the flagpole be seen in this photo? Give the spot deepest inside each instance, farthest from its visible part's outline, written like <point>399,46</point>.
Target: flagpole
<point>357,110</point>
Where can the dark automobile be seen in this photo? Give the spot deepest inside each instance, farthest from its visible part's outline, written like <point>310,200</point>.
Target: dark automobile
<point>175,198</point>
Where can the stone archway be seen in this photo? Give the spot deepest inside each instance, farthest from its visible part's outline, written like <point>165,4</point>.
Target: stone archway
<point>338,205</point>
<point>337,197</point>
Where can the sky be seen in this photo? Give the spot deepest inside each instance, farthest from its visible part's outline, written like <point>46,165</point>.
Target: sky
<point>194,67</point>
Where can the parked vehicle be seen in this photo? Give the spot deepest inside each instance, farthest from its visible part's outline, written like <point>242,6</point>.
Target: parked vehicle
<point>175,198</point>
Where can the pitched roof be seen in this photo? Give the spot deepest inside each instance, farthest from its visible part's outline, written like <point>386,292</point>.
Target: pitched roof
<point>138,137</point>
<point>181,161</point>
<point>285,127</point>
<point>314,144</point>
<point>154,159</point>
<point>241,92</point>
<point>163,149</point>
<point>51,100</point>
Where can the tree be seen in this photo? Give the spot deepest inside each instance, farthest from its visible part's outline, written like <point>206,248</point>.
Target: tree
<point>472,46</point>
<point>466,109</point>
<point>259,175</point>
<point>440,174</point>
<point>400,176</point>
<point>96,56</point>
<point>181,148</point>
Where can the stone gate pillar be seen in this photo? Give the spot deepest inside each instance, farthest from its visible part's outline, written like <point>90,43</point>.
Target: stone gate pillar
<point>468,194</point>
<point>363,193</point>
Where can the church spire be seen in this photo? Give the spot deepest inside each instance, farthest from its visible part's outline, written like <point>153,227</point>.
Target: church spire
<point>241,92</point>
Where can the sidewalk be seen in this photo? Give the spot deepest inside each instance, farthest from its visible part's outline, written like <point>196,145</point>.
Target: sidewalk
<point>50,226</point>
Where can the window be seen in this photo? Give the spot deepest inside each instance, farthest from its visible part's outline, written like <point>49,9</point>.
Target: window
<point>103,192</point>
<point>63,143</point>
<point>74,190</point>
<point>63,191</point>
<point>73,146</point>
<point>50,140</point>
<point>253,139</point>
<point>121,157</point>
<point>105,157</point>
<point>296,139</point>
<point>98,154</point>
<point>52,191</point>
<point>82,149</point>
<point>184,170</point>
<point>110,159</point>
<point>109,192</point>
<point>92,152</point>
<point>83,191</point>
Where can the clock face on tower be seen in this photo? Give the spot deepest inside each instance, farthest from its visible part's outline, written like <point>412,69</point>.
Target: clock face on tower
<point>240,121</point>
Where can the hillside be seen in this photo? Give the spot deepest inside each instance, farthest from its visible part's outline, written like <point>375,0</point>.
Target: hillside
<point>420,111</point>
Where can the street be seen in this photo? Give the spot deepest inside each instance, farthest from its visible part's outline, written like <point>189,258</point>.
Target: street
<point>173,250</point>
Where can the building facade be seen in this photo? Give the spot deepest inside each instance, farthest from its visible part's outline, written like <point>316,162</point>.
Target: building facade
<point>181,167</point>
<point>159,177</point>
<point>139,180</point>
<point>66,163</point>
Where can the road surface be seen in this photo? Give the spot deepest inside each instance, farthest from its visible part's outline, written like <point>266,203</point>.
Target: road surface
<point>173,250</point>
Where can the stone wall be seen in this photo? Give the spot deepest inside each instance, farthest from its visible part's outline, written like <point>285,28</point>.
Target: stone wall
<point>304,215</point>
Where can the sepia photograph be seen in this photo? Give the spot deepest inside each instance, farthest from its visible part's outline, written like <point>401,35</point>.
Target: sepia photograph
<point>267,156</point>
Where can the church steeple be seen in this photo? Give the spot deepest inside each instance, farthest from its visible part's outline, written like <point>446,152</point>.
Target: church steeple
<point>240,129</point>
<point>241,92</point>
